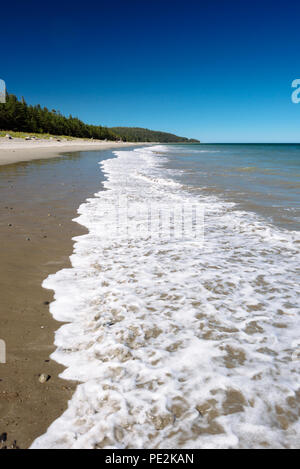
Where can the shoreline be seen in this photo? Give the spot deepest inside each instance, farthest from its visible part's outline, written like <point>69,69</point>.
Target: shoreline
<point>39,200</point>
<point>20,150</point>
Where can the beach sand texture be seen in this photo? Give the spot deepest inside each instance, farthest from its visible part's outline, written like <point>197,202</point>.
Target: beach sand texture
<point>38,200</point>
<point>18,149</point>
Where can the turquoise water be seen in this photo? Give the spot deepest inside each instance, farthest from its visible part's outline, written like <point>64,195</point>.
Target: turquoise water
<point>260,178</point>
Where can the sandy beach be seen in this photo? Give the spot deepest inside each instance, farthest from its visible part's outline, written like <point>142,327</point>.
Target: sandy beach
<point>38,201</point>
<point>19,149</point>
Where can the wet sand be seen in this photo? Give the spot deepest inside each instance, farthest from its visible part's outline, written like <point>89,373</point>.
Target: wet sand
<point>37,203</point>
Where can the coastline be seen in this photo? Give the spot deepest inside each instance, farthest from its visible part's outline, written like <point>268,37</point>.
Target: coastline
<point>20,150</point>
<point>39,200</point>
<point>177,344</point>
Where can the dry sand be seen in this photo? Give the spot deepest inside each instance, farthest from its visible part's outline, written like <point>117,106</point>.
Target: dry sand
<point>17,149</point>
<point>38,200</point>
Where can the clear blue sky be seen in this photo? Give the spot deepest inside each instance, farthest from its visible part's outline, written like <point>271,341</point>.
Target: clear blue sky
<point>217,70</point>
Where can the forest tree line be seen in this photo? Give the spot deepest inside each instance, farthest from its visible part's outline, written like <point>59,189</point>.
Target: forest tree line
<point>137,134</point>
<point>18,116</point>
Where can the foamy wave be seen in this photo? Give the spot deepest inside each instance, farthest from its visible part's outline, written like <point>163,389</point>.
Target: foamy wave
<point>177,345</point>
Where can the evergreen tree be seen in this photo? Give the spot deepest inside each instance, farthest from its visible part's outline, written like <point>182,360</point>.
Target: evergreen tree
<point>18,116</point>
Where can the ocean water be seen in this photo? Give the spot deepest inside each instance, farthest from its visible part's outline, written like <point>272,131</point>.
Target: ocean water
<point>184,342</point>
<point>260,178</point>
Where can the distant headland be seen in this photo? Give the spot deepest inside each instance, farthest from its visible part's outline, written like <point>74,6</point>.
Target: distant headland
<point>16,115</point>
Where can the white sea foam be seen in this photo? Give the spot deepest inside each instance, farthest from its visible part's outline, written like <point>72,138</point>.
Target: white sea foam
<point>177,344</point>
